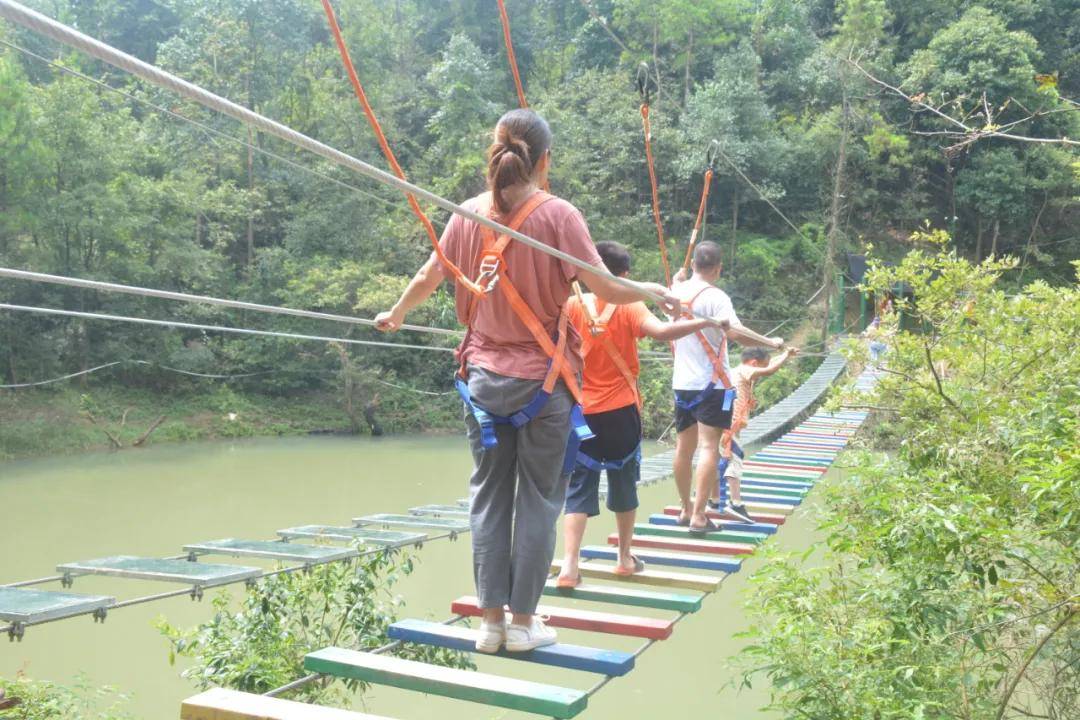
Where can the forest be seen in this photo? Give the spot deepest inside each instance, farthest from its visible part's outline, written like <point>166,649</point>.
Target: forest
<point>840,126</point>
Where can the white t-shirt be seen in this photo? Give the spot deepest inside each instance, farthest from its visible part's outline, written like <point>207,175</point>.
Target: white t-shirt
<point>693,369</point>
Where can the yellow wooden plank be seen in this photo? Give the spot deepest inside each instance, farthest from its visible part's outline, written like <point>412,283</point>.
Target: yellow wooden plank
<point>689,581</point>
<point>223,704</point>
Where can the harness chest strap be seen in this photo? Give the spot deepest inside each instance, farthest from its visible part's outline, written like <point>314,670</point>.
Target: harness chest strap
<point>717,358</point>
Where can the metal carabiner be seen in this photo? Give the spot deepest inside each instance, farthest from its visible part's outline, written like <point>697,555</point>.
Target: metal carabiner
<point>489,273</point>
<point>644,83</point>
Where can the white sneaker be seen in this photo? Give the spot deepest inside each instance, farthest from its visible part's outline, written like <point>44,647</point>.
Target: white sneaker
<point>521,638</point>
<point>492,637</point>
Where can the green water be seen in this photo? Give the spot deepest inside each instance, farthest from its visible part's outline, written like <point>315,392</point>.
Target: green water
<point>152,502</point>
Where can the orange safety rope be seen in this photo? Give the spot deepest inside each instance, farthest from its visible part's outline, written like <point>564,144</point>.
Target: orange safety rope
<point>335,29</point>
<point>702,206</point>
<point>642,83</point>
<point>510,54</point>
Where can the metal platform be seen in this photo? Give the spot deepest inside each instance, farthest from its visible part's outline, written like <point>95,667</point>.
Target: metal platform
<point>159,569</point>
<point>353,534</point>
<point>414,521</point>
<point>271,550</point>
<point>23,606</point>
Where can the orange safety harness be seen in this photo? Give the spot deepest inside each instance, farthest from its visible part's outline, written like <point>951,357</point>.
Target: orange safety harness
<point>350,70</point>
<point>644,89</point>
<point>505,20</point>
<point>492,274</point>
<point>598,335</point>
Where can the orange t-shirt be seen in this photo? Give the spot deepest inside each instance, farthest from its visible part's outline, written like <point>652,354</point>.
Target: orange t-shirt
<point>604,387</point>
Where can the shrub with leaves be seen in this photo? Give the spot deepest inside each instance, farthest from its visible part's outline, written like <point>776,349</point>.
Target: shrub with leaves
<point>949,586</point>
<point>259,643</point>
<point>27,699</point>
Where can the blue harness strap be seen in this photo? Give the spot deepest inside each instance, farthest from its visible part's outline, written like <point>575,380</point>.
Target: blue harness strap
<point>688,405</point>
<point>579,429</point>
<point>591,463</point>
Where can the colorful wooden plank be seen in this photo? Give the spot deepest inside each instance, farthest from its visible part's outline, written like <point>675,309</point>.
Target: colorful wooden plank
<point>814,441</point>
<point>804,446</point>
<point>548,700</point>
<point>463,639</point>
<point>412,521</point>
<point>750,485</point>
<point>271,550</point>
<point>804,470</point>
<point>672,559</point>
<point>660,578</point>
<point>772,518</point>
<point>772,504</point>
<point>722,535</point>
<point>788,461</point>
<point>738,525</point>
<point>790,452</point>
<point>781,484</point>
<point>787,455</point>
<point>588,620</point>
<point>688,544</point>
<point>626,596</point>
<point>223,704</point>
<point>386,538</point>
<point>26,606</point>
<point>144,568</point>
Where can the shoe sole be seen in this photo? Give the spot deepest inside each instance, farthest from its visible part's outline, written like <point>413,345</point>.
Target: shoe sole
<point>531,645</point>
<point>488,649</point>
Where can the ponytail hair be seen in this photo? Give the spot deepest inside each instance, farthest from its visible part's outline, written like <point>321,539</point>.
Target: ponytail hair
<point>521,139</point>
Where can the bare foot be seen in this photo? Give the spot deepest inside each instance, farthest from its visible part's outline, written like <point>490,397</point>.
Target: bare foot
<point>569,577</point>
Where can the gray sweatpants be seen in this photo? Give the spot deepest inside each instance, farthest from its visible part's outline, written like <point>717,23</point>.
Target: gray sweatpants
<point>517,491</point>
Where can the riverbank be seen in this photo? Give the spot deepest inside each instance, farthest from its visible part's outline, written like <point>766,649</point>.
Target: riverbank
<point>69,420</point>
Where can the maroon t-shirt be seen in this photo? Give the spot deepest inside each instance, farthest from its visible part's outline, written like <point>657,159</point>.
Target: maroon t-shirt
<point>499,341</point>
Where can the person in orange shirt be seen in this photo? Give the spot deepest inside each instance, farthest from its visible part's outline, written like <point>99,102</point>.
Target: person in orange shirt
<point>613,411</point>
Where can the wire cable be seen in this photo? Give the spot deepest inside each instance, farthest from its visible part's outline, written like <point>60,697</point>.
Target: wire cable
<point>20,14</point>
<point>218,328</point>
<point>204,300</point>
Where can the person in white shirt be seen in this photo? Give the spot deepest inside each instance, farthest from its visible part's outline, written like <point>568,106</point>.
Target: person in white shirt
<point>704,394</point>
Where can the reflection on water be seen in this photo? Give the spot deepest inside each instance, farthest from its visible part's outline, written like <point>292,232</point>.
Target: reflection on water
<point>154,501</point>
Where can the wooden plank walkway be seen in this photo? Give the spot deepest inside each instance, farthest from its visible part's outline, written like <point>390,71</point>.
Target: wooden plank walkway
<point>589,620</point>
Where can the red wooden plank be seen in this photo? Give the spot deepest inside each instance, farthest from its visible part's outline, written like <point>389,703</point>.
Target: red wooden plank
<point>588,620</point>
<point>687,545</point>
<point>755,516</point>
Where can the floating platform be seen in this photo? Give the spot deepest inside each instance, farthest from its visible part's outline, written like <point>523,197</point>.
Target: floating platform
<point>659,578</point>
<point>588,620</point>
<point>223,704</point>
<point>271,550</point>
<point>23,606</point>
<point>383,538</point>
<point>161,570</point>
<point>547,700</point>
<point>463,639</point>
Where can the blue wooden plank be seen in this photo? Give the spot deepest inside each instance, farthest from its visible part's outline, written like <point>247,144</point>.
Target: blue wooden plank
<point>574,657</point>
<point>766,528</point>
<point>672,559</point>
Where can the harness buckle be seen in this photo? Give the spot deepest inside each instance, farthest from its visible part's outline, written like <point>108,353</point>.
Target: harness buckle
<point>489,273</point>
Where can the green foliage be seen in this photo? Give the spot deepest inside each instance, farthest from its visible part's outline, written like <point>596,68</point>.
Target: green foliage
<point>948,583</point>
<point>42,700</point>
<point>258,642</point>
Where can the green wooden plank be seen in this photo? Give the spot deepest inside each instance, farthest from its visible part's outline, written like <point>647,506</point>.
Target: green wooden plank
<point>684,532</point>
<point>271,550</point>
<point>626,596</point>
<point>478,687</point>
<point>353,534</point>
<point>144,568</point>
<point>415,521</point>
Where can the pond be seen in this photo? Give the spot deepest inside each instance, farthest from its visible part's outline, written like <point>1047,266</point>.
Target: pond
<point>151,502</point>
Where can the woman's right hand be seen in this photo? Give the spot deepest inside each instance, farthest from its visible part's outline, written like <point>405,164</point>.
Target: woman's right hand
<point>390,320</point>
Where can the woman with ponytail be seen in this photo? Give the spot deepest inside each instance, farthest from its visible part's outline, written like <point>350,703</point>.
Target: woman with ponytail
<point>518,485</point>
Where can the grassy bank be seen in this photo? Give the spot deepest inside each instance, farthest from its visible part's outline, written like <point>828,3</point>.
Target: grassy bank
<point>73,419</point>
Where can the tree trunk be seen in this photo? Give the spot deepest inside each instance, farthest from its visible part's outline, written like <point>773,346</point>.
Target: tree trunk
<point>734,229</point>
<point>978,239</point>
<point>686,74</point>
<point>251,200</point>
<point>994,237</point>
<point>835,209</point>
<point>656,58</point>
